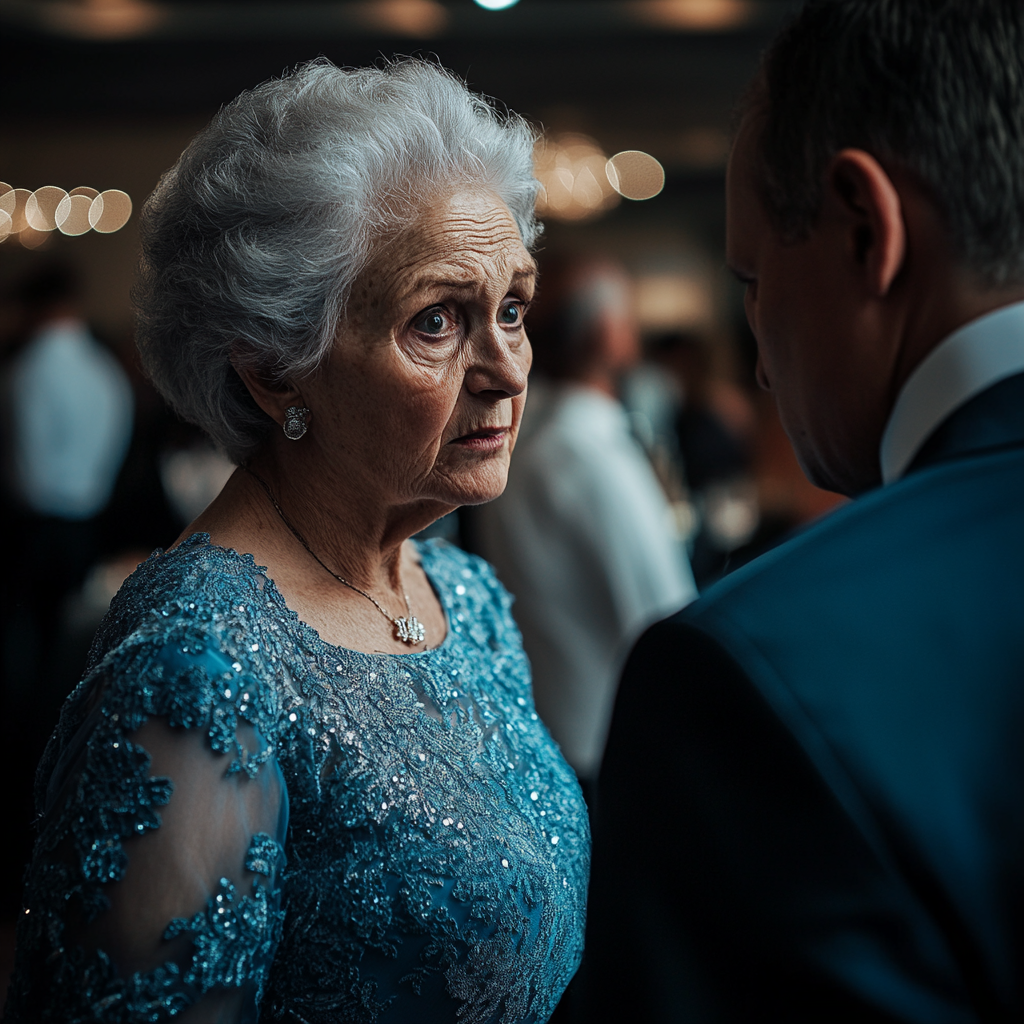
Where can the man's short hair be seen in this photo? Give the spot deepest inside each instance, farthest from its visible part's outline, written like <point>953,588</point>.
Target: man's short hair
<point>935,87</point>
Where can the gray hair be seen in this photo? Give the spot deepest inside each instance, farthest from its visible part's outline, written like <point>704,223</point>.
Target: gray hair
<point>934,86</point>
<point>252,241</point>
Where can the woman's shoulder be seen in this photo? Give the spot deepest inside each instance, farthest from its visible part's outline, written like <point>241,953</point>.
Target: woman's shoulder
<point>171,586</point>
<point>194,634</point>
<point>183,640</point>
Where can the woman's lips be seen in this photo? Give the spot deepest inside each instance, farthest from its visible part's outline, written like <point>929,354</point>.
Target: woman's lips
<point>487,439</point>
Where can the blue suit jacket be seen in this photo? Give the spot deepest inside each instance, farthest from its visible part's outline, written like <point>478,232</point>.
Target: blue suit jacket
<point>812,801</point>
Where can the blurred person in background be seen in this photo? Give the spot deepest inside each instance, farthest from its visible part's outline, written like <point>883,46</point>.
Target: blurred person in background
<point>583,536</point>
<point>303,777</point>
<point>69,409</point>
<point>714,425</point>
<point>67,423</point>
<point>810,808</point>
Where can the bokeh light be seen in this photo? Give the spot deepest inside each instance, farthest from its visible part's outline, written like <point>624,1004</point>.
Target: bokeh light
<point>496,5</point>
<point>30,238</point>
<point>73,215</point>
<point>104,19</point>
<point>41,208</point>
<point>571,170</point>
<point>635,174</point>
<point>695,15</point>
<point>421,19</point>
<point>13,203</point>
<point>110,211</point>
<point>30,217</point>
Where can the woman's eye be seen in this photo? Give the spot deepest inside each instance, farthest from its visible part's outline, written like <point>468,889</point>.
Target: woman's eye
<point>433,321</point>
<point>511,315</point>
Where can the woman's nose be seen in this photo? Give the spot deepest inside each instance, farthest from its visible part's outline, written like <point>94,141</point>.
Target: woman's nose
<point>499,365</point>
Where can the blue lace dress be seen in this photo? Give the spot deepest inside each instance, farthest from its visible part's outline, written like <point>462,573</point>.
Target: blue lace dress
<point>243,822</point>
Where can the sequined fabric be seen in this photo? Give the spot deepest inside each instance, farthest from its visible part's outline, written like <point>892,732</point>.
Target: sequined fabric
<point>424,849</point>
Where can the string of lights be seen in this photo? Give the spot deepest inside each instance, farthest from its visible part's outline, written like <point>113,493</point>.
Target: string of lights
<point>30,216</point>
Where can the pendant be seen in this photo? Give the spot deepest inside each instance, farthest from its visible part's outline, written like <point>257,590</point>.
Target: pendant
<point>410,630</point>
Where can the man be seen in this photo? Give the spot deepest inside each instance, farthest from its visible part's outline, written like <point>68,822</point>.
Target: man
<point>582,535</point>
<point>812,803</point>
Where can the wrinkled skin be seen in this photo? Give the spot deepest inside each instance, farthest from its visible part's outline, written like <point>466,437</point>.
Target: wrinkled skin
<point>433,349</point>
<point>414,412</point>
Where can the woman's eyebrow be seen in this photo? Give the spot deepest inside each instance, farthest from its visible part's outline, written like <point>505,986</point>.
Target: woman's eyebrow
<point>428,281</point>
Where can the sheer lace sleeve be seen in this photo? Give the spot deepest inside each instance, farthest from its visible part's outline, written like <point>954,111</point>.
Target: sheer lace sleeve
<point>155,886</point>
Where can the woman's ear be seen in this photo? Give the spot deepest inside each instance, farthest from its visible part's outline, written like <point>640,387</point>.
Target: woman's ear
<point>870,204</point>
<point>272,396</point>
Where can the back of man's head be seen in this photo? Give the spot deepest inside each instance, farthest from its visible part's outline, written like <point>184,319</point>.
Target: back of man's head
<point>935,87</point>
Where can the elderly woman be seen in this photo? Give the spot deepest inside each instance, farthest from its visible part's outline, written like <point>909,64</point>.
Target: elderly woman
<point>303,778</point>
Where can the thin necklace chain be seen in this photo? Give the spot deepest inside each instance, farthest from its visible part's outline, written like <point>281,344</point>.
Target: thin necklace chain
<point>408,628</point>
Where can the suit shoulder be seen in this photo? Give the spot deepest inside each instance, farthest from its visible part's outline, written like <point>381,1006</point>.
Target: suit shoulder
<point>941,525</point>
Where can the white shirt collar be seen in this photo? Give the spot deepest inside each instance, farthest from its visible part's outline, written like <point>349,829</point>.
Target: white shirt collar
<point>973,358</point>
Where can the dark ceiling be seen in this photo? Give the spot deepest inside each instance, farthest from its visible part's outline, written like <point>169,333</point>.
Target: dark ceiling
<point>81,107</point>
<point>593,64</point>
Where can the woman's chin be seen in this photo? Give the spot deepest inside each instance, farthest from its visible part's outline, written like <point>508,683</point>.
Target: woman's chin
<point>477,489</point>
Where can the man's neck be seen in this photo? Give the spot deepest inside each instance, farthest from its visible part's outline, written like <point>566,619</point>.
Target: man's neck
<point>947,305</point>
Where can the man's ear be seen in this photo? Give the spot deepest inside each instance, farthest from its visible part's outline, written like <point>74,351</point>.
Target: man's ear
<point>871,204</point>
<point>271,395</point>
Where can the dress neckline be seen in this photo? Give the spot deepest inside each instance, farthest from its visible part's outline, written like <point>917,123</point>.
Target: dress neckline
<point>201,541</point>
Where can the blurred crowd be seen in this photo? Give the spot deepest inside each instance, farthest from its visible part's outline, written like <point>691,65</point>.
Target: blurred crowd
<point>95,472</point>
<point>647,467</point>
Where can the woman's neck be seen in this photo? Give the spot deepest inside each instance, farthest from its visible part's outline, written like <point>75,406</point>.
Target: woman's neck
<point>347,542</point>
<point>279,505</point>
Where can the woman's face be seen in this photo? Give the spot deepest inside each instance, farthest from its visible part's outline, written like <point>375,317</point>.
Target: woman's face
<point>421,397</point>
